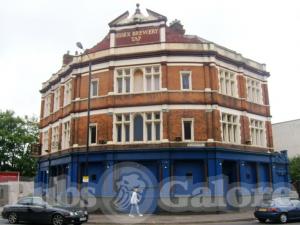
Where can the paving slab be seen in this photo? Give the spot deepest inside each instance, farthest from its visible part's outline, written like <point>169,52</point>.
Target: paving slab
<point>171,218</point>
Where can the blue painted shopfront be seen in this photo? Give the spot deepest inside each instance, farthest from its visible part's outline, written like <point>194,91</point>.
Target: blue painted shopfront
<point>193,165</point>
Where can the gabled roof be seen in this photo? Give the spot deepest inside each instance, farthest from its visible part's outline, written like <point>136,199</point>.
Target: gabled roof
<point>102,45</point>
<point>137,18</point>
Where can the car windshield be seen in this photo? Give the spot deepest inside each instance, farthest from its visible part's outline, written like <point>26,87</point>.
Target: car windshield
<point>278,202</point>
<point>32,201</point>
<point>38,201</point>
<point>25,201</point>
<point>60,204</point>
<point>295,202</point>
<point>265,203</point>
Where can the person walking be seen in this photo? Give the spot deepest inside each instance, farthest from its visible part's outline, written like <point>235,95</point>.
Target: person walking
<point>134,200</point>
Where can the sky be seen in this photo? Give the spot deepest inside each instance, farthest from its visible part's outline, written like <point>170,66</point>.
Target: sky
<point>34,34</point>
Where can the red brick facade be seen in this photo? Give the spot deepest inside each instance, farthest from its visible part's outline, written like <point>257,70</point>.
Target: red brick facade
<point>203,102</point>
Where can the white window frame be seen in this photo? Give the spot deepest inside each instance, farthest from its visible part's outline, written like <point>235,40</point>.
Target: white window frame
<point>122,123</point>
<point>133,71</point>
<point>45,140</point>
<point>255,93</point>
<point>68,93</point>
<point>192,129</point>
<point>255,129</point>
<point>152,74</point>
<point>91,91</point>
<point>123,77</point>
<point>190,80</point>
<point>130,76</point>
<point>65,140</point>
<point>153,121</point>
<point>238,128</point>
<point>47,105</point>
<point>131,115</point>
<point>223,88</point>
<point>55,138</point>
<point>56,100</point>
<point>90,133</point>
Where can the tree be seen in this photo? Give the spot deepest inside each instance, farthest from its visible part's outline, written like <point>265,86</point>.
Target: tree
<point>16,135</point>
<point>294,168</point>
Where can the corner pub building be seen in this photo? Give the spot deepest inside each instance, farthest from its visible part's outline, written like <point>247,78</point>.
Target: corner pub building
<point>175,103</point>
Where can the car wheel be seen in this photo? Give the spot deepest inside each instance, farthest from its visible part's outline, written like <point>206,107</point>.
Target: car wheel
<point>12,218</point>
<point>262,220</point>
<point>283,218</point>
<point>58,220</point>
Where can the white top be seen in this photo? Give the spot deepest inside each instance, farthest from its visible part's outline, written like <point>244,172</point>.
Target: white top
<point>134,198</point>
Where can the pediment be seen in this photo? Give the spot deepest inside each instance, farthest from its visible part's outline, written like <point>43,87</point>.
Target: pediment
<point>137,18</point>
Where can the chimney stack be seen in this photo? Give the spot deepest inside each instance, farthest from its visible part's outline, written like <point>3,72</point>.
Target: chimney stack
<point>177,26</point>
<point>67,58</point>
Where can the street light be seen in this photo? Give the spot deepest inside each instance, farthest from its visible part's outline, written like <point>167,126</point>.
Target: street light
<point>79,45</point>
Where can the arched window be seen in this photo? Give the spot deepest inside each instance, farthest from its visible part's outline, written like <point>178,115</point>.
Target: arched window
<point>138,81</point>
<point>138,127</point>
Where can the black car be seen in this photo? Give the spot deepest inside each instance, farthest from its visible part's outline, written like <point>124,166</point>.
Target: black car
<point>278,209</point>
<point>35,209</point>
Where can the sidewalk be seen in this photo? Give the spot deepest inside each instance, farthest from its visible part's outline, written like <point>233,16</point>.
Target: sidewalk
<point>172,219</point>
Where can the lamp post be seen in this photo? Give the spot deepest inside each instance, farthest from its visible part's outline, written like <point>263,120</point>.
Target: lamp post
<point>86,167</point>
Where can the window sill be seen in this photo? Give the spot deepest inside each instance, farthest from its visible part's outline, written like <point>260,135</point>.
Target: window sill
<point>138,142</point>
<point>93,144</point>
<point>141,92</point>
<point>232,96</point>
<point>257,103</point>
<point>232,143</point>
<point>258,146</point>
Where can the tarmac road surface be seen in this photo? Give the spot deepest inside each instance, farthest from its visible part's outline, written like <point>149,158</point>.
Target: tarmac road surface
<point>252,222</point>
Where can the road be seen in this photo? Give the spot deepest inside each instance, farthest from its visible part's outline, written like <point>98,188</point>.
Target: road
<point>2,221</point>
<point>251,222</point>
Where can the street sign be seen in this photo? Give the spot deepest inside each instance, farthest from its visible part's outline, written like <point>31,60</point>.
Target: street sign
<point>85,179</point>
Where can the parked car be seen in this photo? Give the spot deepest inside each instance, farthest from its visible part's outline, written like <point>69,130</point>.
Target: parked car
<point>278,210</point>
<point>35,209</point>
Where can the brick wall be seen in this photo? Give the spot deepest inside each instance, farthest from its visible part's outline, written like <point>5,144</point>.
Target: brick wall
<point>207,126</point>
<point>104,128</point>
<point>174,120</point>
